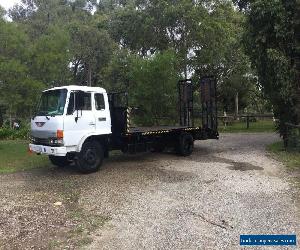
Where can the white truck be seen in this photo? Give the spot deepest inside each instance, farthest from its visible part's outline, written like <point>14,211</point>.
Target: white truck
<point>82,124</point>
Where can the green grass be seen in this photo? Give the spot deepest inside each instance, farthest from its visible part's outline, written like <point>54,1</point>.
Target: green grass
<point>14,157</point>
<point>259,126</point>
<point>290,159</point>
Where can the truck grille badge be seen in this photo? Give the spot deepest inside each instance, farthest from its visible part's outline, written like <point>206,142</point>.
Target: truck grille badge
<point>40,124</point>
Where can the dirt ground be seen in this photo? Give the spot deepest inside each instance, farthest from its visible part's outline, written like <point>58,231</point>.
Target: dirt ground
<point>154,201</point>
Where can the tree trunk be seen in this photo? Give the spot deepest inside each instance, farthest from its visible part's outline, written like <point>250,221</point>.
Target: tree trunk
<point>75,69</point>
<point>89,80</point>
<point>185,61</point>
<point>185,51</point>
<point>297,91</point>
<point>10,117</point>
<point>236,106</point>
<point>1,118</point>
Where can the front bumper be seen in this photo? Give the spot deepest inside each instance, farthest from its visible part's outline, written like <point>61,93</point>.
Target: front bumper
<point>48,150</point>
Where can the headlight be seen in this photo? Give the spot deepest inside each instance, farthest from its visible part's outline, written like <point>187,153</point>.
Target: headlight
<point>56,141</point>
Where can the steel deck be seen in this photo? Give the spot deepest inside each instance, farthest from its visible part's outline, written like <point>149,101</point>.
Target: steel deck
<point>158,129</point>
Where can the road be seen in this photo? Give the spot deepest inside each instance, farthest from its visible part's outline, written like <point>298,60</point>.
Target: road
<point>154,201</point>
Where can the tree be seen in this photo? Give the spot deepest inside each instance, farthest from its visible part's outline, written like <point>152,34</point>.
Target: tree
<point>18,90</point>
<point>91,50</point>
<point>2,13</point>
<point>115,74</point>
<point>206,36</point>
<point>50,57</point>
<point>153,88</point>
<point>67,43</point>
<point>272,43</point>
<point>151,83</point>
<point>65,39</point>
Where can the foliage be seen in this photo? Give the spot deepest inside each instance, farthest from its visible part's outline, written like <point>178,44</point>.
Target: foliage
<point>115,74</point>
<point>150,81</point>
<point>291,159</point>
<point>206,37</point>
<point>153,87</point>
<point>18,89</point>
<point>143,46</point>
<point>50,57</point>
<point>273,46</point>
<point>2,13</point>
<point>91,48</point>
<point>292,141</point>
<point>9,134</point>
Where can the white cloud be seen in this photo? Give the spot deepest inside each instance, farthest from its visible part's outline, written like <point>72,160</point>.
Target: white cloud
<point>8,3</point>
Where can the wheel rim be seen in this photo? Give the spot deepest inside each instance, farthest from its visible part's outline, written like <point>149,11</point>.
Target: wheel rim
<point>90,156</point>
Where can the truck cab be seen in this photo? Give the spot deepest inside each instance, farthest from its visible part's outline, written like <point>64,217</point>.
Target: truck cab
<point>65,118</point>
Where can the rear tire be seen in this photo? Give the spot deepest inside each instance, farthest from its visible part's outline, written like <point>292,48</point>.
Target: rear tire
<point>59,161</point>
<point>90,158</point>
<point>185,145</point>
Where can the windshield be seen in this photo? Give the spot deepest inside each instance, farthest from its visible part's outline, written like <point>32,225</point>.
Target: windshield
<point>52,103</point>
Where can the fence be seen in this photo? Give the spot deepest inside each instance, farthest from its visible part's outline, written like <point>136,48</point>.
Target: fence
<point>245,122</point>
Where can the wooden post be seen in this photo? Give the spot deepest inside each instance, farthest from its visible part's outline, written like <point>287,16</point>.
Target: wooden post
<point>247,121</point>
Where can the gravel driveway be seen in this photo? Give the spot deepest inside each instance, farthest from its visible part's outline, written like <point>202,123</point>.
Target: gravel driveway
<point>154,201</point>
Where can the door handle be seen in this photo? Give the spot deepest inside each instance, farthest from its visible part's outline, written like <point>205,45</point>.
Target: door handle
<point>102,119</point>
<point>92,124</point>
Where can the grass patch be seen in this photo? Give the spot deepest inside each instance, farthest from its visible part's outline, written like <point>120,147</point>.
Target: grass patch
<point>290,159</point>
<point>259,126</point>
<point>14,157</point>
<point>85,225</point>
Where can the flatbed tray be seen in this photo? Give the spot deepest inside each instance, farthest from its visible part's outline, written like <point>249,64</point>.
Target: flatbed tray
<point>156,129</point>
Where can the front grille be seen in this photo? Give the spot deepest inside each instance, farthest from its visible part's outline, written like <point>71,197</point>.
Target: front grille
<point>46,142</point>
<point>41,141</point>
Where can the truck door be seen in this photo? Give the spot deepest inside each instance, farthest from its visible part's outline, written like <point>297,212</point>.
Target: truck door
<point>78,123</point>
<point>102,114</point>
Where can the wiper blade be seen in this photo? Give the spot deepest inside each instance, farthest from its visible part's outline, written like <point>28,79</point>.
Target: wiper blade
<point>41,113</point>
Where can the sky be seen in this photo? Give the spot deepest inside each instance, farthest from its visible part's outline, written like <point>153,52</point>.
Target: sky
<point>8,3</point>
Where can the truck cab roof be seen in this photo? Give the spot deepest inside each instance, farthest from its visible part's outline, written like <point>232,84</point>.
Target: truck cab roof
<point>79,87</point>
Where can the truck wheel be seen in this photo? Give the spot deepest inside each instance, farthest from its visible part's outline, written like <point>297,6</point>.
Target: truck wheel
<point>158,147</point>
<point>90,158</point>
<point>60,161</point>
<point>185,145</point>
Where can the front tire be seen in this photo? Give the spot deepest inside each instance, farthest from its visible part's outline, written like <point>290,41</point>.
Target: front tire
<point>59,161</point>
<point>90,158</point>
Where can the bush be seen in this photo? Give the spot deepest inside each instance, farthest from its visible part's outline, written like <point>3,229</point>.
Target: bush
<point>5,133</point>
<point>293,139</point>
<point>8,133</point>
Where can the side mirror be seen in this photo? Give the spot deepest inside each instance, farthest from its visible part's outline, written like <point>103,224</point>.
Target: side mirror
<point>79,100</point>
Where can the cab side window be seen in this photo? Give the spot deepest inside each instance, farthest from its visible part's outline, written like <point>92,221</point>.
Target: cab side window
<point>87,103</point>
<point>99,102</point>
